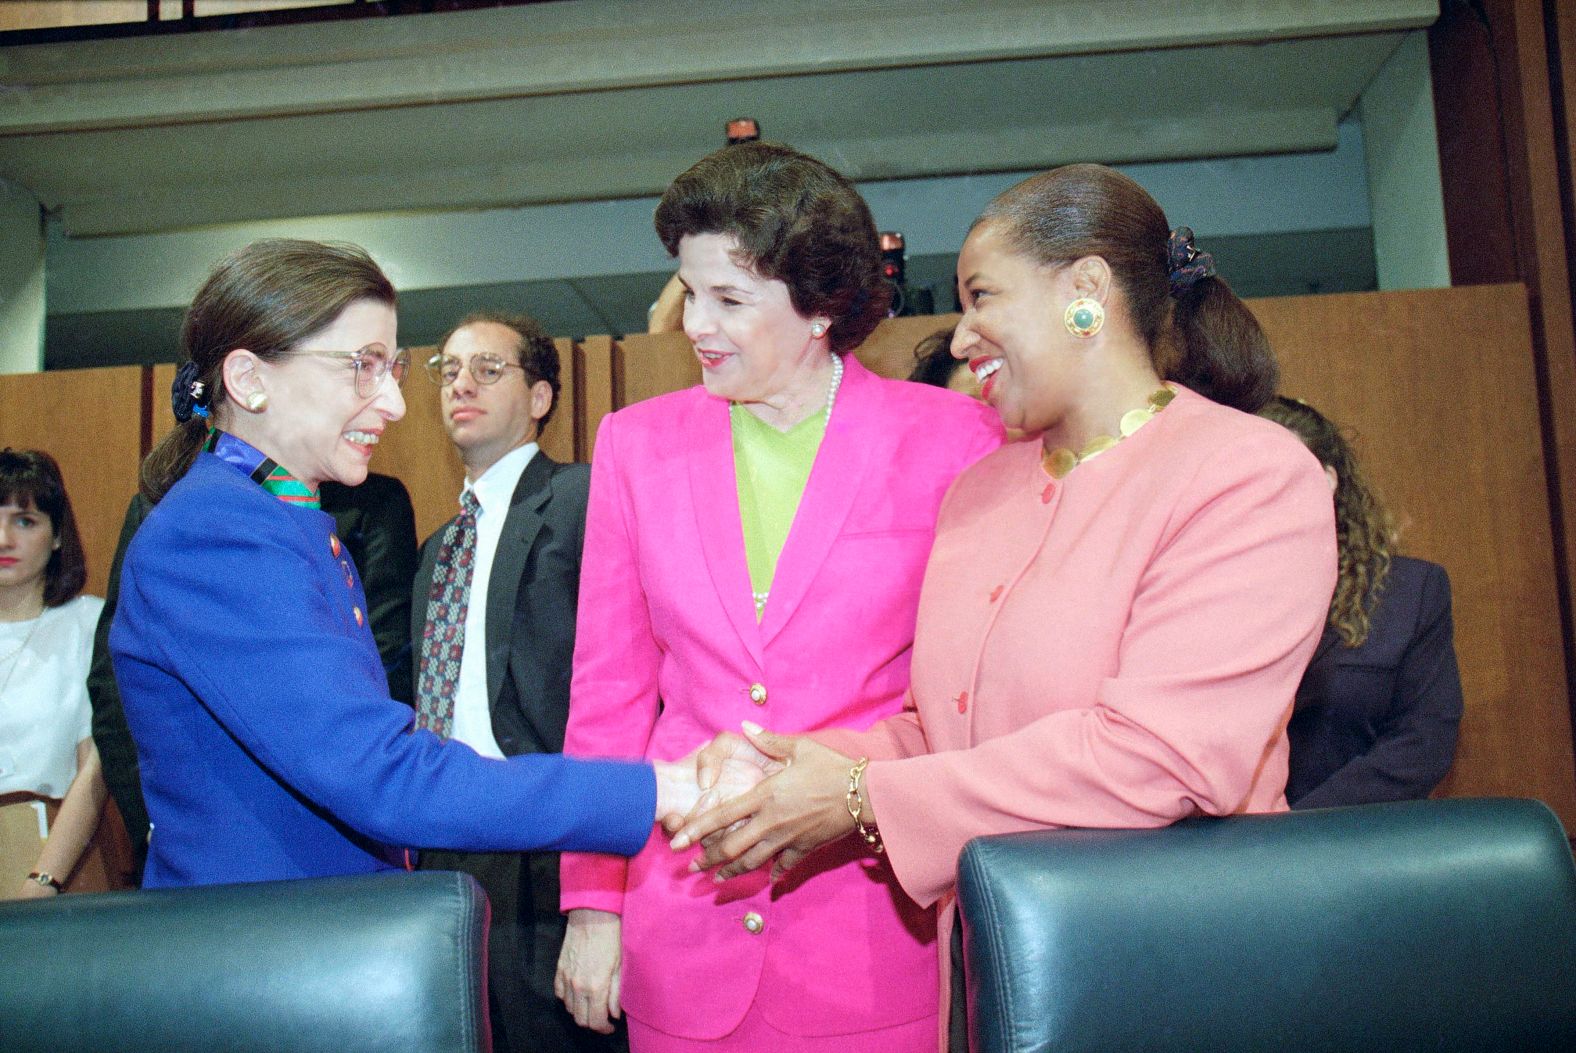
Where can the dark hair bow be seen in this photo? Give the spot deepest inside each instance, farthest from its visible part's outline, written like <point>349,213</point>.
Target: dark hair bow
<point>1185,263</point>
<point>186,394</point>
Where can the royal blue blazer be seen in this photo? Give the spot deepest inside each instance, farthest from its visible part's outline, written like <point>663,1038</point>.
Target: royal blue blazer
<point>268,742</point>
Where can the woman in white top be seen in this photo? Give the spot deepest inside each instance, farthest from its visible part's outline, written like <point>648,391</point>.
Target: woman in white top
<point>51,788</point>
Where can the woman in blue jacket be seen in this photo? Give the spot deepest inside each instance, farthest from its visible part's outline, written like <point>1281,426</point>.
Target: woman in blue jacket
<point>1378,709</point>
<point>268,743</point>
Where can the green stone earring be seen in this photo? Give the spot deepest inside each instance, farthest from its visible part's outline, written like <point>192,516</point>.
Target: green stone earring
<point>1084,317</point>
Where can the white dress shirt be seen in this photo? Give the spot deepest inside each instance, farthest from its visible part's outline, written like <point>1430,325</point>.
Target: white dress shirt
<point>472,714</point>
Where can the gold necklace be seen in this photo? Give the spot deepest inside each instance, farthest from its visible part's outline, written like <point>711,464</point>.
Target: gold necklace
<point>1060,461</point>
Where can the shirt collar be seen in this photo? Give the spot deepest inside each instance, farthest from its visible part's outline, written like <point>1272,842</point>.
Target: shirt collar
<point>496,486</point>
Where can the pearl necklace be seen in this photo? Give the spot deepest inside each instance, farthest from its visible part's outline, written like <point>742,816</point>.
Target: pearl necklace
<point>760,598</point>
<point>1060,461</point>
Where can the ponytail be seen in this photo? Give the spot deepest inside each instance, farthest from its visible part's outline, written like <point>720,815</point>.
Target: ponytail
<point>1220,350</point>
<point>1198,332</point>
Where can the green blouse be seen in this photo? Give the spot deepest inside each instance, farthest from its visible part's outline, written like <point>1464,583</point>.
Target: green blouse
<point>772,468</point>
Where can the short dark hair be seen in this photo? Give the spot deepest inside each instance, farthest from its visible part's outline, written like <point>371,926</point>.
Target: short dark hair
<point>933,361</point>
<point>32,479</point>
<point>534,350</point>
<point>795,220</point>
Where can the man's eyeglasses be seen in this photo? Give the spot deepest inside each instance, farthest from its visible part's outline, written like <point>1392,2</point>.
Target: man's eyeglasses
<point>372,363</point>
<point>486,369</point>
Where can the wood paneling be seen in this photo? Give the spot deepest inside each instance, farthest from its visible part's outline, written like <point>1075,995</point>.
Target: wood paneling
<point>595,382</point>
<point>1502,101</point>
<point>90,420</point>
<point>1438,389</point>
<point>418,452</point>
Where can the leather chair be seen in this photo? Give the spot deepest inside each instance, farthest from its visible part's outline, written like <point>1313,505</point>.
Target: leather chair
<point>333,965</point>
<point>1427,925</point>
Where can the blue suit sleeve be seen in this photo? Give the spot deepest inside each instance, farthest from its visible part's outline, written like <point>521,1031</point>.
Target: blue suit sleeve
<point>258,633</point>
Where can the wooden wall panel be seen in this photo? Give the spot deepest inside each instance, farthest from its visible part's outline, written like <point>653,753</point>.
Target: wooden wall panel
<point>1438,388</point>
<point>417,450</point>
<point>595,384</point>
<point>90,420</point>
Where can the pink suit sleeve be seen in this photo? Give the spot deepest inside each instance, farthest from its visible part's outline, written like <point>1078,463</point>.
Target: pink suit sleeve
<point>1226,615</point>
<point>613,695</point>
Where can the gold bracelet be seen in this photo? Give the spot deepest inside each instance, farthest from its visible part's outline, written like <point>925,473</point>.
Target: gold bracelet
<point>856,807</point>
<point>45,878</point>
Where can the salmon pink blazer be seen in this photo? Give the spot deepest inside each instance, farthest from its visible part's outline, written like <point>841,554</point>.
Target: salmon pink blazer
<point>669,652</point>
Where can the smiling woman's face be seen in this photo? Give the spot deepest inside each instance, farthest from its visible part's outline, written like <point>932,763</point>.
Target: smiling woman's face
<point>315,425</point>
<point>751,343</point>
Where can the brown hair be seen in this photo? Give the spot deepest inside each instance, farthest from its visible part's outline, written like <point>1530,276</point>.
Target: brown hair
<point>933,361</point>
<point>32,479</point>
<point>795,220</point>
<point>267,298</point>
<point>1364,529</point>
<point>534,350</point>
<point>1200,335</point>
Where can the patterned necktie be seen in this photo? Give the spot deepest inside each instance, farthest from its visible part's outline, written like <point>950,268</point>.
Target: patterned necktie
<point>443,640</point>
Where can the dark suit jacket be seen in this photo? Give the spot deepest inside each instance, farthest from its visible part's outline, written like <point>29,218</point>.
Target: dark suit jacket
<point>531,598</point>
<point>378,526</point>
<point>1378,722</point>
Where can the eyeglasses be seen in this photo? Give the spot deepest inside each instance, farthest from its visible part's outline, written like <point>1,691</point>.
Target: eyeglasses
<point>372,363</point>
<point>487,369</point>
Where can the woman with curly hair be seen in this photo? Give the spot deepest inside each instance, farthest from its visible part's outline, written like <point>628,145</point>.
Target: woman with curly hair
<point>1378,709</point>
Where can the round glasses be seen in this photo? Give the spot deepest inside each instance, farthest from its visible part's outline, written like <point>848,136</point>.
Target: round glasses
<point>486,369</point>
<point>372,363</point>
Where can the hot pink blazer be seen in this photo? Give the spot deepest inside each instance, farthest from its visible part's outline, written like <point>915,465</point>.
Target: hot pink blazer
<point>668,650</point>
<point>1117,649</point>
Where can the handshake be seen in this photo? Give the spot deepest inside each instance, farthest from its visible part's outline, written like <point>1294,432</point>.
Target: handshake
<point>754,799</point>
<point>746,801</point>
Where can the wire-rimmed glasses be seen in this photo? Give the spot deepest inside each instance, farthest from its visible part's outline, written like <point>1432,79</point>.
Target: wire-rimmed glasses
<point>485,368</point>
<point>372,363</point>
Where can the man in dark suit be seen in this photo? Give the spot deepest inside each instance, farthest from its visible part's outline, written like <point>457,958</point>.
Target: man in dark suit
<point>513,627</point>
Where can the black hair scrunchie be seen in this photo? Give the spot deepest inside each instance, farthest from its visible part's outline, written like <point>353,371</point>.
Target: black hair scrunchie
<point>186,394</point>
<point>1186,264</point>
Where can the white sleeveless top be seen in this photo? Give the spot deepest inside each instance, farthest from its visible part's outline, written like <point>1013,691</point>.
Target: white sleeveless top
<point>44,708</point>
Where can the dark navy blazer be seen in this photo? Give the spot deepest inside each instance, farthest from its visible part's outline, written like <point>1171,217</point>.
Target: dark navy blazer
<point>1378,722</point>
<point>268,742</point>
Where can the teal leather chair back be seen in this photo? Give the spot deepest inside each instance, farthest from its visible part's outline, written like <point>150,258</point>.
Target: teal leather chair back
<point>1444,925</point>
<point>380,963</point>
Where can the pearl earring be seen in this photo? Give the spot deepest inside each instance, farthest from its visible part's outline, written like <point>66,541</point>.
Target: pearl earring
<point>257,401</point>
<point>818,329</point>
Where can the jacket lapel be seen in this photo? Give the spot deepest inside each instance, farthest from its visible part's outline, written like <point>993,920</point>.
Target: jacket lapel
<point>521,526</point>
<point>834,483</point>
<point>715,491</point>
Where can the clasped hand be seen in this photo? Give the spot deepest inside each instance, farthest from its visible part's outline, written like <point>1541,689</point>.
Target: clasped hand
<point>799,804</point>
<point>746,802</point>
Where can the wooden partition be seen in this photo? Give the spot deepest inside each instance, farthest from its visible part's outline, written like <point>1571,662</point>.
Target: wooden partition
<point>1437,387</point>
<point>90,420</point>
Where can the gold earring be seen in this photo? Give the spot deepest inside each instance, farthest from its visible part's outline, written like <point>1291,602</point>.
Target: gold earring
<point>257,401</point>
<point>1084,317</point>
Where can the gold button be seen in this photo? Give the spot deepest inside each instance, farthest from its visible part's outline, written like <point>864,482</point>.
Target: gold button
<point>361,619</point>
<point>758,694</point>
<point>754,923</point>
